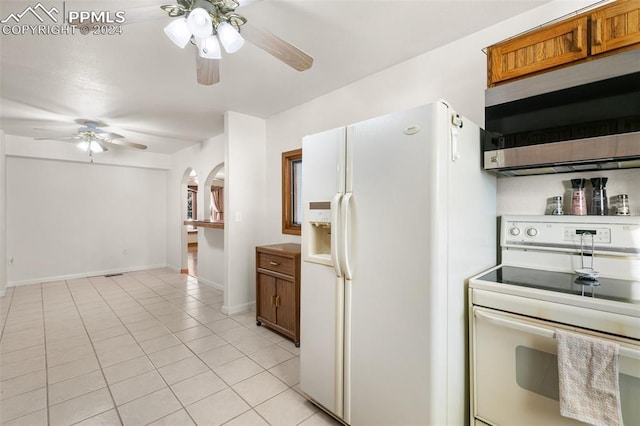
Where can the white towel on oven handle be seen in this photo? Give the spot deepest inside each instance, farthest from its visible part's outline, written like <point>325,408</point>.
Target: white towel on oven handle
<point>588,373</point>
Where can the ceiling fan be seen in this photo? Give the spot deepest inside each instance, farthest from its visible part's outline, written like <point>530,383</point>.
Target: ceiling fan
<point>92,139</point>
<point>208,24</point>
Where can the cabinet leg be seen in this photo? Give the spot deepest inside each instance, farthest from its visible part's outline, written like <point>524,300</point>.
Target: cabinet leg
<point>258,323</point>
<point>297,344</point>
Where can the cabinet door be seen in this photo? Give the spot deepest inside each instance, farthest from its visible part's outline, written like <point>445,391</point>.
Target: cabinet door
<point>267,297</point>
<point>538,50</point>
<point>286,301</point>
<point>615,26</point>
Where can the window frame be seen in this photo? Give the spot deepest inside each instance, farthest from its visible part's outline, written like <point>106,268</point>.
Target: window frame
<point>288,160</point>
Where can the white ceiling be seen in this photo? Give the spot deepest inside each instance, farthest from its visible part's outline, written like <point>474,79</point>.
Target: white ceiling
<point>144,87</point>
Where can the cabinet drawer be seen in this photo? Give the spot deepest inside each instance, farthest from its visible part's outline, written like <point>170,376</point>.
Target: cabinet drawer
<point>283,265</point>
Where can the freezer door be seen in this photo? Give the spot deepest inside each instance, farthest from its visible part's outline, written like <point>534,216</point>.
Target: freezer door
<point>322,286</point>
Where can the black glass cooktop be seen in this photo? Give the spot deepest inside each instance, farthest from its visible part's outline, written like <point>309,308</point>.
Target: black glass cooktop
<point>602,288</point>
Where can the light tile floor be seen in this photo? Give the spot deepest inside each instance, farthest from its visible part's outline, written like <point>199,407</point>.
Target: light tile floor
<point>148,347</point>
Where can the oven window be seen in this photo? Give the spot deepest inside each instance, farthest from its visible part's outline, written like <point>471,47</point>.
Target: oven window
<point>537,371</point>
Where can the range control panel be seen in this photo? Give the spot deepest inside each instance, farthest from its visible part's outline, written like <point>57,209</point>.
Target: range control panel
<point>617,235</point>
<point>587,234</point>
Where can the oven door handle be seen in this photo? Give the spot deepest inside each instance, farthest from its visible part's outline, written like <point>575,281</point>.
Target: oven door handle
<point>540,331</point>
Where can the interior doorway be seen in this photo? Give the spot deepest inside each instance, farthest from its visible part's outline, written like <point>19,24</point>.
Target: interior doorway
<point>189,208</point>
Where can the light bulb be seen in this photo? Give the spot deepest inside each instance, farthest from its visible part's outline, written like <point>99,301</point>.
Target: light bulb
<point>199,23</point>
<point>231,39</point>
<point>178,32</point>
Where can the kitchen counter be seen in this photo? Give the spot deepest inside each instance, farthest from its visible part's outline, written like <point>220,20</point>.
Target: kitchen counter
<point>204,224</point>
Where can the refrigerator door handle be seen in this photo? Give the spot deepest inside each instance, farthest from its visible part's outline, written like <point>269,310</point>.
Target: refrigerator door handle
<point>345,212</point>
<point>335,234</point>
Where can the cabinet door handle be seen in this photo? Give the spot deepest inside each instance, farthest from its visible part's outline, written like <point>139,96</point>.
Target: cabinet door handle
<point>272,263</point>
<point>597,32</point>
<point>273,300</point>
<point>277,301</point>
<point>577,37</point>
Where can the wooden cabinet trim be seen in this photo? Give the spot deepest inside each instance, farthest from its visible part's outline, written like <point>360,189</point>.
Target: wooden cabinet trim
<point>608,29</point>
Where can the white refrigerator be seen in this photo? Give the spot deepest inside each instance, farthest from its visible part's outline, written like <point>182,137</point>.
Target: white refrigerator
<point>397,215</point>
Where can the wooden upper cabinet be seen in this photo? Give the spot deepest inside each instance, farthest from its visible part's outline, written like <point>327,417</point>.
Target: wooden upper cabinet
<point>615,26</point>
<point>608,29</point>
<point>538,50</point>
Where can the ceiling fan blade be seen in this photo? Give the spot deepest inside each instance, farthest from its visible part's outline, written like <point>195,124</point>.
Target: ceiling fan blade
<point>277,47</point>
<point>207,70</point>
<point>107,135</point>
<point>65,139</point>
<point>126,143</point>
<point>247,2</point>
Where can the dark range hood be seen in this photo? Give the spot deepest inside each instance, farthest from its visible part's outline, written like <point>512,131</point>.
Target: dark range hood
<point>580,118</point>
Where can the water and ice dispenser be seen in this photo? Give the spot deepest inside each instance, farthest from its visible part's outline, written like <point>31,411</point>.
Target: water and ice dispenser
<point>319,228</point>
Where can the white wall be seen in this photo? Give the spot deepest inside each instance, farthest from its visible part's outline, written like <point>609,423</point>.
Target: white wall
<point>245,205</point>
<point>70,219</point>
<point>3,215</point>
<point>530,194</point>
<point>202,158</point>
<point>455,72</point>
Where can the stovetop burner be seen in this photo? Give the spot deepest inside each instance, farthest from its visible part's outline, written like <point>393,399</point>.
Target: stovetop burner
<point>602,288</point>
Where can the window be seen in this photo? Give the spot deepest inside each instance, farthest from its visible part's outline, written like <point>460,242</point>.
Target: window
<point>292,192</point>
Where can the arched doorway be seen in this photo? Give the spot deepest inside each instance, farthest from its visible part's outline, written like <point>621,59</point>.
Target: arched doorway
<point>189,211</point>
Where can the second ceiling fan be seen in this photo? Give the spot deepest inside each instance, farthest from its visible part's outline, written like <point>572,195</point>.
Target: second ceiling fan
<point>213,25</point>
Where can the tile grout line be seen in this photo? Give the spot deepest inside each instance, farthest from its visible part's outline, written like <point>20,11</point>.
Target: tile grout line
<point>170,294</point>
<point>229,386</point>
<point>95,353</point>
<point>46,361</point>
<point>154,366</point>
<point>11,306</point>
<point>6,316</point>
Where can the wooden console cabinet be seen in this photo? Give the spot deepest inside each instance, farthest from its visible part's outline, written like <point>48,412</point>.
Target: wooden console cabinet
<point>612,28</point>
<point>278,289</point>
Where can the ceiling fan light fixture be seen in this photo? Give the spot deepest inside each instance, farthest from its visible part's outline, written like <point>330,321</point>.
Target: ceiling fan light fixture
<point>199,23</point>
<point>230,38</point>
<point>209,47</point>
<point>97,147</point>
<point>178,32</point>
<point>84,145</point>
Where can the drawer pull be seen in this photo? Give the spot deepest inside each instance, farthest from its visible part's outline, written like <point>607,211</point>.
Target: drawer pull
<point>272,263</point>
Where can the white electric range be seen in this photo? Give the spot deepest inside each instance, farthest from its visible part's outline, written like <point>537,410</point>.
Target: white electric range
<point>580,273</point>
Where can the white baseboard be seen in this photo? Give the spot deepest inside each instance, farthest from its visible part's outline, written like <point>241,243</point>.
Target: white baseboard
<point>173,268</point>
<point>210,283</point>
<point>87,274</point>
<point>238,309</point>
